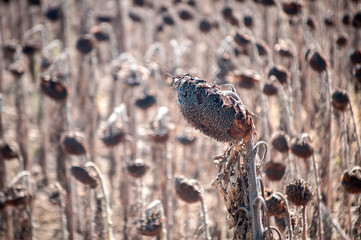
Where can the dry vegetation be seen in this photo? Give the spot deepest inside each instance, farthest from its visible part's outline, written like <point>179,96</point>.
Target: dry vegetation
<point>101,102</point>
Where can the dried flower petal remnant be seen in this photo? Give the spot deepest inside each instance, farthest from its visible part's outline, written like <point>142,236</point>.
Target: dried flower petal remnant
<point>216,113</point>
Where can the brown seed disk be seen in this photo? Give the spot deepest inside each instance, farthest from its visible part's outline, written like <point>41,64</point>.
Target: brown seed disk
<point>211,111</point>
<point>9,48</point>
<point>248,21</point>
<point>85,44</point>
<point>301,149</point>
<point>355,57</point>
<point>54,13</point>
<point>187,190</point>
<point>340,100</point>
<point>316,60</point>
<point>356,20</point>
<point>104,17</point>
<point>292,8</point>
<point>146,101</point>
<point>16,69</point>
<point>299,192</point>
<point>45,63</point>
<point>262,48</point>
<point>138,168</point>
<point>7,151</point>
<point>100,33</point>
<point>247,79</point>
<point>82,175</point>
<point>135,16</point>
<point>346,19</point>
<point>129,76</point>
<point>150,226</point>
<point>270,89</point>
<point>311,23</point>
<point>30,47</point>
<point>275,206</point>
<point>283,47</point>
<point>351,180</point>
<point>341,41</point>
<point>2,199</point>
<point>73,144</point>
<point>279,140</point>
<point>53,87</point>
<point>227,12</point>
<point>168,19</point>
<point>185,14</point>
<point>186,139</point>
<point>54,197</point>
<point>274,170</point>
<point>112,137</point>
<point>205,26</point>
<point>159,135</point>
<point>357,73</point>
<point>329,21</point>
<point>267,3</point>
<point>241,39</point>
<point>280,72</point>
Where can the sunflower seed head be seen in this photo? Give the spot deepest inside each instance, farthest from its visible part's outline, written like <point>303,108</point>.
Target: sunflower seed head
<point>299,192</point>
<point>351,180</point>
<point>217,114</point>
<point>82,175</point>
<point>187,189</point>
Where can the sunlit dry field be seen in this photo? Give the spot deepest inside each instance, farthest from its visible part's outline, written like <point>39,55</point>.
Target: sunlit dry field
<point>187,119</point>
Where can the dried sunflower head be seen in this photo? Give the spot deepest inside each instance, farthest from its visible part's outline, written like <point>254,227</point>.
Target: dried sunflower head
<point>187,189</point>
<point>275,170</point>
<point>73,143</point>
<point>279,141</point>
<point>351,180</point>
<point>83,175</point>
<point>275,206</point>
<point>340,100</point>
<point>218,114</point>
<point>137,168</point>
<point>299,192</point>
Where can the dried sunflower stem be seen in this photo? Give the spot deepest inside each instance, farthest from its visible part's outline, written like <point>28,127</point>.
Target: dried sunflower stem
<point>320,227</point>
<point>250,162</point>
<point>345,150</point>
<point>304,223</point>
<point>204,211</point>
<point>107,206</point>
<point>328,142</point>
<point>22,121</point>
<point>357,135</point>
<point>334,222</point>
<point>349,215</point>
<point>62,211</point>
<point>4,215</point>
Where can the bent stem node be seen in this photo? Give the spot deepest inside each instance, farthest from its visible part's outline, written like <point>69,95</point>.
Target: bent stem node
<point>107,207</point>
